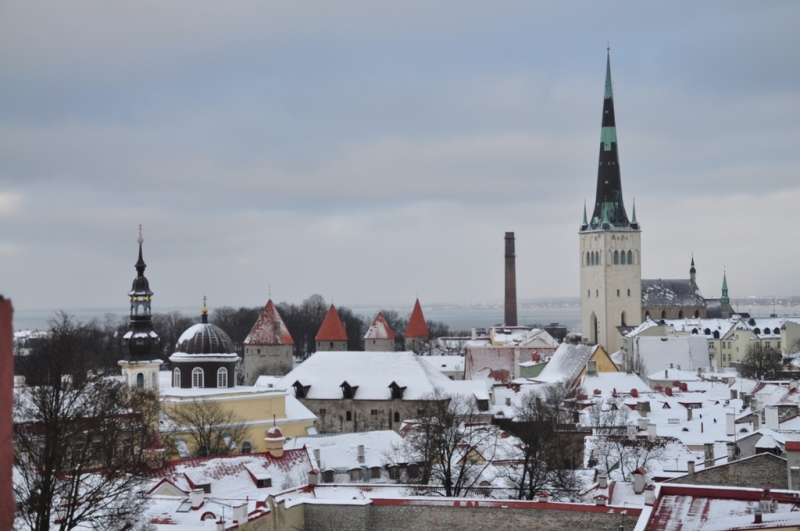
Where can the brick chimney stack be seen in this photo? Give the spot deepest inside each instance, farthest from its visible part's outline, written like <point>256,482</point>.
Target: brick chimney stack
<point>511,282</point>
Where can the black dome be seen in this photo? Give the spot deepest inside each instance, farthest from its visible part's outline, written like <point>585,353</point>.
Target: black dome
<point>204,338</point>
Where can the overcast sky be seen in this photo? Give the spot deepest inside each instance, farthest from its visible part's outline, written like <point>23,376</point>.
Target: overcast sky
<point>376,152</point>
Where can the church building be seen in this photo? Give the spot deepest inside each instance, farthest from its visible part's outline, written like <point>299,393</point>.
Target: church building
<point>614,298</point>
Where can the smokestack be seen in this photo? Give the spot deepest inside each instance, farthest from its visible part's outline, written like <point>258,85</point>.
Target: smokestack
<point>511,282</point>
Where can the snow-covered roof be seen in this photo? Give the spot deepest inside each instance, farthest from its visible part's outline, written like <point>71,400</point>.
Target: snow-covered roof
<point>567,363</point>
<point>684,352</point>
<point>269,328</point>
<point>609,383</point>
<point>325,372</point>
<point>331,328</point>
<point>670,293</point>
<point>340,452</point>
<point>446,363</point>
<point>379,329</point>
<point>523,336</point>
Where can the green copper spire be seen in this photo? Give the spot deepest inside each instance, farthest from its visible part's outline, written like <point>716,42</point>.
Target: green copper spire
<point>585,223</point>
<point>609,208</point>
<point>633,221</point>
<point>724,299</point>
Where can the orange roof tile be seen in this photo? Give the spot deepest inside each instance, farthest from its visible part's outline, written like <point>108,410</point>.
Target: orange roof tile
<point>269,329</point>
<point>379,329</point>
<point>331,329</point>
<point>416,324</point>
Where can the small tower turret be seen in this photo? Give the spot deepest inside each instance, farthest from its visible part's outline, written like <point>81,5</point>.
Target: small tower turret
<point>692,272</point>
<point>724,299</point>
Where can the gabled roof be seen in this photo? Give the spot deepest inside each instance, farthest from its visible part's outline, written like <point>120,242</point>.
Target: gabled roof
<point>331,329</point>
<point>324,373</point>
<point>269,329</point>
<point>567,363</point>
<point>379,329</point>
<point>668,293</point>
<point>416,324</point>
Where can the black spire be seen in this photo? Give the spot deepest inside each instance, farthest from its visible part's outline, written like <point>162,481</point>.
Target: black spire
<point>608,207</point>
<point>140,342</point>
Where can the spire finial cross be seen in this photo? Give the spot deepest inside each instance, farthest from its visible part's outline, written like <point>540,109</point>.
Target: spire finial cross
<point>140,240</point>
<point>205,309</point>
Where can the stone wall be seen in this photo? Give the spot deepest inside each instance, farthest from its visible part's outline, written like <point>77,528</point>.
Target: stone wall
<point>762,470</point>
<point>462,515</point>
<point>272,360</point>
<point>365,415</point>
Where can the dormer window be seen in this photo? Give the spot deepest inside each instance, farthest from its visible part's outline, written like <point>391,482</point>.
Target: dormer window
<point>348,390</point>
<point>300,390</point>
<point>397,390</point>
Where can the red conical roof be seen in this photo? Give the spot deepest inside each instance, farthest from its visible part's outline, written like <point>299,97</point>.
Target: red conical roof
<point>379,329</point>
<point>269,329</point>
<point>416,324</point>
<point>331,329</point>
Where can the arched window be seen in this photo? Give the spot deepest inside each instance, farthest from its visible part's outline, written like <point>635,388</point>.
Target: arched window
<point>597,255</point>
<point>222,377</point>
<point>587,259</point>
<point>349,416</point>
<point>697,313</point>
<point>617,293</point>
<point>247,447</point>
<point>616,257</point>
<point>647,315</point>
<point>629,292</point>
<point>622,319</point>
<point>176,378</point>
<point>589,293</point>
<point>154,381</point>
<point>630,257</point>
<point>663,314</point>
<point>680,314</point>
<point>197,377</point>
<point>622,257</point>
<point>396,416</point>
<point>140,380</point>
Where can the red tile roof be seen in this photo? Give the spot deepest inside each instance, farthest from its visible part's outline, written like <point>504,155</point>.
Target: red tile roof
<point>331,329</point>
<point>416,324</point>
<point>379,329</point>
<point>269,329</point>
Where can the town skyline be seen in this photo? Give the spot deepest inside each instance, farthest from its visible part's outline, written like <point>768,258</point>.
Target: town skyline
<point>380,153</point>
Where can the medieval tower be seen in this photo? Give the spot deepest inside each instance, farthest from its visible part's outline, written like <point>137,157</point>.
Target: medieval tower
<point>610,247</point>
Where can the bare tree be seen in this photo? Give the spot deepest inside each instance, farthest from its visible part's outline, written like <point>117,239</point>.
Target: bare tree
<point>449,443</point>
<point>760,362</point>
<point>548,444</point>
<point>211,428</point>
<point>608,417</point>
<point>625,453</point>
<point>79,439</point>
<point>169,327</point>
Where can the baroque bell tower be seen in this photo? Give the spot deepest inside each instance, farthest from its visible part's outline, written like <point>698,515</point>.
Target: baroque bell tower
<point>610,247</point>
<point>140,345</point>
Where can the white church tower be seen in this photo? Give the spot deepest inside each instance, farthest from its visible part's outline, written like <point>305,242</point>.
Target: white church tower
<point>610,248</point>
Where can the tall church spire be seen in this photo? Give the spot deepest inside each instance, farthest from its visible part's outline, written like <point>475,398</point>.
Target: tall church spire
<point>608,202</point>
<point>725,299</point>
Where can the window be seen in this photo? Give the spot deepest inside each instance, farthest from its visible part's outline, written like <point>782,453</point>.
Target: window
<point>622,257</point>
<point>629,292</point>
<point>264,483</point>
<point>375,472</point>
<point>322,411</point>
<point>327,476</point>
<point>394,472</point>
<point>616,257</point>
<point>589,293</point>
<point>222,377</point>
<point>355,474</point>
<point>663,314</point>
<point>197,377</point>
<point>646,314</point>
<point>373,412</point>
<point>247,447</point>
<point>622,319</point>
<point>630,257</point>
<point>483,405</point>
<point>176,378</point>
<point>697,313</point>
<point>617,293</point>
<point>140,380</point>
<point>413,471</point>
<point>349,416</point>
<point>597,292</point>
<point>680,314</point>
<point>396,416</point>
<point>587,259</point>
<point>258,351</point>
<point>766,344</point>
